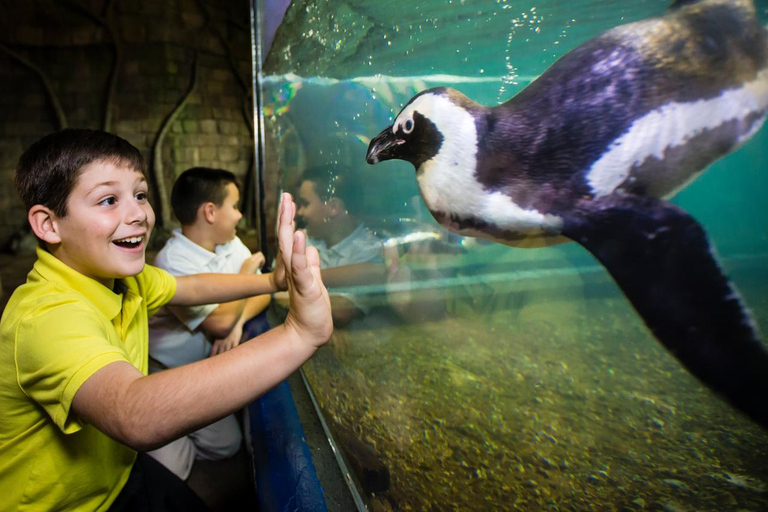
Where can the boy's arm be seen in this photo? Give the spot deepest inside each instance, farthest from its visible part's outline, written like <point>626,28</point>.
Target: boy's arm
<point>228,316</point>
<point>197,289</point>
<point>231,338</point>
<point>355,274</point>
<point>145,412</point>
<point>224,318</point>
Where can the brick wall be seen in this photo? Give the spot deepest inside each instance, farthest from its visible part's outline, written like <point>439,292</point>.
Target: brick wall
<point>72,45</point>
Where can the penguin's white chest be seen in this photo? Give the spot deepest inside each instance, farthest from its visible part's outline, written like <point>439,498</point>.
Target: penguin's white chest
<point>449,185</point>
<point>454,192</point>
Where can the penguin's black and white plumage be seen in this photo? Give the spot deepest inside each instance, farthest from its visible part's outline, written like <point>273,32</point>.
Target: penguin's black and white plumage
<point>589,151</point>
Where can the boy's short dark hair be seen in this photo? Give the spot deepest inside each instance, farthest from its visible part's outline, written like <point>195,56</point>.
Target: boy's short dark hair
<point>335,181</point>
<point>197,186</point>
<point>49,169</point>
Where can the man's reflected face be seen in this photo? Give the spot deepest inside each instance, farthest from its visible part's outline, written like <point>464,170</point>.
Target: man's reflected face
<point>313,211</point>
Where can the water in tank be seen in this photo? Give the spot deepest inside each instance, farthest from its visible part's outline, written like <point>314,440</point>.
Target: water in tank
<point>468,375</point>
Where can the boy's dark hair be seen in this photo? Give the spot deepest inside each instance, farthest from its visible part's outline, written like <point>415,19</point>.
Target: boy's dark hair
<point>197,186</point>
<point>49,169</point>
<point>335,181</point>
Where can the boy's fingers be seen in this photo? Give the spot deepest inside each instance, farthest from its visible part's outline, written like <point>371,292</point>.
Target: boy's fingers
<point>299,257</point>
<point>288,198</point>
<point>299,243</point>
<point>285,229</point>
<point>260,259</point>
<point>313,257</point>
<point>300,264</point>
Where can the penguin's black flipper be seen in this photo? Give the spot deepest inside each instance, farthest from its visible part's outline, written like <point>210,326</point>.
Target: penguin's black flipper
<point>661,259</point>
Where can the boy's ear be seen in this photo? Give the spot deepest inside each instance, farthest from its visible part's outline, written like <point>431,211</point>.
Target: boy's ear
<point>208,211</point>
<point>44,224</point>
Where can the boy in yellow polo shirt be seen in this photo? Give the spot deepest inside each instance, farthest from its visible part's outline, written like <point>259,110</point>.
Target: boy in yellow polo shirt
<point>77,404</point>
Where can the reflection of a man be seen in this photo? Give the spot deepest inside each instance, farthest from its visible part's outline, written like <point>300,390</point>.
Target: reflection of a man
<point>350,253</point>
<point>394,274</point>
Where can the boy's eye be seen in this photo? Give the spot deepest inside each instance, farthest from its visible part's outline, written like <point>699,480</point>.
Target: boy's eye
<point>141,196</point>
<point>109,201</point>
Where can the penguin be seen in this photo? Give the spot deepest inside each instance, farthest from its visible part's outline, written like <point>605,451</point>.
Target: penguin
<point>591,150</point>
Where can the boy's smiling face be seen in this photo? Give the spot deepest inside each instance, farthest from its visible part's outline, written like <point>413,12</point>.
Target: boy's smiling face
<point>109,219</point>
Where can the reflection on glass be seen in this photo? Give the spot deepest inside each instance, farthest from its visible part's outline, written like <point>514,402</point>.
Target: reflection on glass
<point>466,375</point>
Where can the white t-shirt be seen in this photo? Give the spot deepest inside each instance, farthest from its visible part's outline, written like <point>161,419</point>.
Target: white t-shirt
<point>174,337</point>
<point>360,246</point>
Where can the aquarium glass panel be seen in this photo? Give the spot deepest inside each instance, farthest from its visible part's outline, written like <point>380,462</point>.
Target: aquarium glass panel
<point>468,375</point>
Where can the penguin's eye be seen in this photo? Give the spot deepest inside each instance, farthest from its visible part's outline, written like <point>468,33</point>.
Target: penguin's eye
<point>408,126</point>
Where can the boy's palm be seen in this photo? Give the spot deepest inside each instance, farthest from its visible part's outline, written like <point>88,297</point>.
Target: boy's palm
<point>310,309</point>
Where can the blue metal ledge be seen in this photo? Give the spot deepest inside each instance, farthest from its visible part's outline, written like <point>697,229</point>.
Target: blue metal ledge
<point>285,475</point>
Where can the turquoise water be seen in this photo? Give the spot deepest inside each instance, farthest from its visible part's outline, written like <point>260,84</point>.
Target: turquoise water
<point>496,378</point>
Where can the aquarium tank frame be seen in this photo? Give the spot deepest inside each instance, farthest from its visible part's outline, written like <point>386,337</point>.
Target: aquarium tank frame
<point>570,379</point>
<point>284,422</point>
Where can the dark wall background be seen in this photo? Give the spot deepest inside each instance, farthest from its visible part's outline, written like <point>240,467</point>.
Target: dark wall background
<point>173,77</point>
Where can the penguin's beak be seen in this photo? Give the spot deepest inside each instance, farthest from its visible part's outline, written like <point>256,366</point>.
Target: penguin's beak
<point>382,147</point>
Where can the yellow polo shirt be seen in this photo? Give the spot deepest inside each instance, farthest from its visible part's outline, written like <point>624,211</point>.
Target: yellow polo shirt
<point>57,330</point>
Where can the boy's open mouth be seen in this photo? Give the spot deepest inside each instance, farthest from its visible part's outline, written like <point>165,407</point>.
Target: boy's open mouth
<point>129,243</point>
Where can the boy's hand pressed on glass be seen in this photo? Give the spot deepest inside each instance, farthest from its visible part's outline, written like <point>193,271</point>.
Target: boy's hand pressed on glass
<point>309,301</point>
<point>145,412</point>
